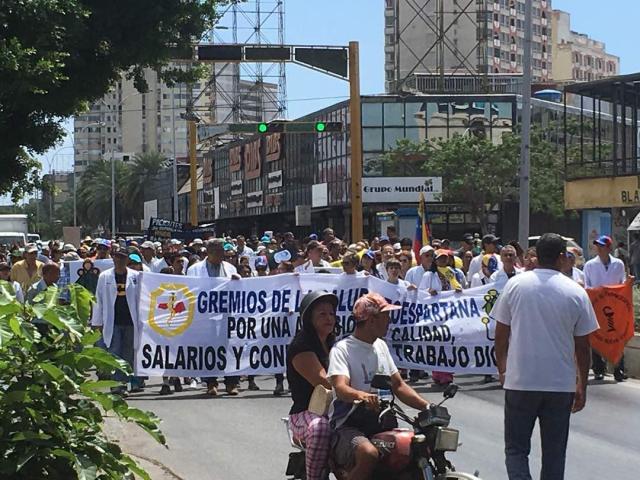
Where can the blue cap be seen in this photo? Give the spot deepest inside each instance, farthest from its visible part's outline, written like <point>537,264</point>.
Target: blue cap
<point>371,254</point>
<point>228,246</point>
<point>261,262</point>
<point>135,258</point>
<point>313,236</point>
<point>265,239</point>
<point>384,238</point>
<point>603,241</point>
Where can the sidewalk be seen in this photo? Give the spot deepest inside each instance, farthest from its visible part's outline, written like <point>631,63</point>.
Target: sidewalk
<point>140,446</point>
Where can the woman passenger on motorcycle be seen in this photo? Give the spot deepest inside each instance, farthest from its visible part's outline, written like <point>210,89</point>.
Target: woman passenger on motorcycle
<point>307,363</point>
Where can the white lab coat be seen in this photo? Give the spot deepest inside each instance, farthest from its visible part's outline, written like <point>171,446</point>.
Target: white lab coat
<point>106,294</point>
<point>200,269</point>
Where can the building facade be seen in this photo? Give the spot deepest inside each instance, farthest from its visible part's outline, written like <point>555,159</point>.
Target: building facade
<point>126,122</point>
<point>454,36</point>
<point>576,56</point>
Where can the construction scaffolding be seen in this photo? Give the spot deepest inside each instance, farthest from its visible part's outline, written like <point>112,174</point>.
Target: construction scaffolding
<point>248,92</point>
<point>436,38</point>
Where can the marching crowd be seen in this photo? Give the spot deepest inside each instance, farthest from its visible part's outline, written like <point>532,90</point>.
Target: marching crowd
<point>313,358</point>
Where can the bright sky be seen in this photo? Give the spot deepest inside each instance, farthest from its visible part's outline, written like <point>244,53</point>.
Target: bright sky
<point>336,22</point>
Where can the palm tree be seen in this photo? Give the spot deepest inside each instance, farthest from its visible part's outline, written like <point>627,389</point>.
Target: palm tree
<point>94,193</point>
<point>140,170</point>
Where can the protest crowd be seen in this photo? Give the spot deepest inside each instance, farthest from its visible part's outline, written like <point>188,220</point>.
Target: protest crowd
<point>314,357</point>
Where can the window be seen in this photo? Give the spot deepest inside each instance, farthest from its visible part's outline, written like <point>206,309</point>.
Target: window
<point>372,114</point>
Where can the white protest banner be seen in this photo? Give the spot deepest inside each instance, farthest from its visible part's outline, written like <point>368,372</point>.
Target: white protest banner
<point>210,326</point>
<point>86,265</point>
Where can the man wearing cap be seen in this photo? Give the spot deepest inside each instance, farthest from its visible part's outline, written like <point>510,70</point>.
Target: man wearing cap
<point>415,275</point>
<point>353,362</point>
<point>5,274</point>
<point>604,269</point>
<point>115,314</point>
<point>103,249</point>
<point>489,247</point>
<point>28,271</point>
<point>466,245</point>
<point>215,267</point>
<point>147,251</point>
<point>50,277</point>
<point>488,266</point>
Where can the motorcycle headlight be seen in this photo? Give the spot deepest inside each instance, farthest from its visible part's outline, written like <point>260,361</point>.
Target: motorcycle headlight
<point>446,439</point>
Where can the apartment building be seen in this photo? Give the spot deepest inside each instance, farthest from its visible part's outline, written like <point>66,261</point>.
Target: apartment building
<point>576,56</point>
<point>462,37</point>
<point>126,122</point>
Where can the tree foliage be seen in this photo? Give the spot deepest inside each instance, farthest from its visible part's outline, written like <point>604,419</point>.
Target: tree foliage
<point>481,174</point>
<point>57,55</point>
<point>51,410</point>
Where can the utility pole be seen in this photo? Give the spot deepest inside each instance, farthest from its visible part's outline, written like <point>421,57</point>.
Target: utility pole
<point>356,142</point>
<point>193,170</point>
<point>113,196</point>
<point>174,159</point>
<point>523,217</point>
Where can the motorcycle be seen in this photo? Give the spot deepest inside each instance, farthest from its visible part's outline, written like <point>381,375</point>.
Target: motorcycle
<point>416,453</point>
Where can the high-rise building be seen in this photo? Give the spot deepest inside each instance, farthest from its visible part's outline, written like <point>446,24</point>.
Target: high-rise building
<point>126,122</point>
<point>458,38</point>
<point>576,56</point>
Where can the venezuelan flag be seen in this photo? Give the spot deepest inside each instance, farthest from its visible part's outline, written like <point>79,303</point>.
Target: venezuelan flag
<point>423,235</point>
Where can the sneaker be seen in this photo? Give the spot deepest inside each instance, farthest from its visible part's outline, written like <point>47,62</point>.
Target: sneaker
<point>193,384</point>
<point>232,390</point>
<point>620,378</point>
<point>212,390</point>
<point>165,390</point>
<point>598,376</point>
<point>253,386</point>
<point>279,390</point>
<point>177,385</point>
<point>489,379</point>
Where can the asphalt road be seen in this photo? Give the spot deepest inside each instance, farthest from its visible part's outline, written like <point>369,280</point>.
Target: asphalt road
<point>242,438</point>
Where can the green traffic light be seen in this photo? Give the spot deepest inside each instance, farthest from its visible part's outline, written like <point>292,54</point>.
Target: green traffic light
<point>262,127</point>
<point>321,127</point>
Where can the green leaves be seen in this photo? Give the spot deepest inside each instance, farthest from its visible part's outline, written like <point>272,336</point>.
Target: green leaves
<point>51,407</point>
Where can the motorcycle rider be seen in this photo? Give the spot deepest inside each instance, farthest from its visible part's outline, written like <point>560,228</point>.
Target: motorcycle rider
<point>353,362</point>
<point>307,361</point>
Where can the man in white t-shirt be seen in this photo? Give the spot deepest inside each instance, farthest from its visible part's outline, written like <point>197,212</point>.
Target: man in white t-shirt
<point>353,362</point>
<point>604,269</point>
<point>415,274</point>
<point>509,270</point>
<point>543,322</point>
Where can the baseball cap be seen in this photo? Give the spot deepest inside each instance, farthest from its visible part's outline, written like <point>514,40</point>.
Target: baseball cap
<point>491,262</point>
<point>101,242</point>
<point>135,258</point>
<point>467,237</point>
<point>442,252</point>
<point>148,244</point>
<point>197,241</point>
<point>490,238</point>
<point>261,262</point>
<point>426,249</point>
<point>397,247</point>
<point>313,236</point>
<point>175,241</point>
<point>371,304</point>
<point>384,238</point>
<point>228,247</point>
<point>371,254</point>
<point>265,239</point>
<point>603,241</point>
<point>30,248</point>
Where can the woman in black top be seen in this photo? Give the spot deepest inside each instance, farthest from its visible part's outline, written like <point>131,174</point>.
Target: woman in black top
<point>307,363</point>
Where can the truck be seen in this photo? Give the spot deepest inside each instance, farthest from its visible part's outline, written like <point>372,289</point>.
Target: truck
<point>13,230</point>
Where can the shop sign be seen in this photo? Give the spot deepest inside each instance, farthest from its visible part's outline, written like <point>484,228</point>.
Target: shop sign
<point>273,147</point>
<point>274,180</point>
<point>235,159</point>
<point>607,192</point>
<point>273,200</point>
<point>236,188</point>
<point>252,160</point>
<point>401,189</point>
<point>319,195</point>
<point>254,199</point>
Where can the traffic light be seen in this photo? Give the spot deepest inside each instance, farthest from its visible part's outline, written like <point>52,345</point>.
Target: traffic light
<point>286,127</point>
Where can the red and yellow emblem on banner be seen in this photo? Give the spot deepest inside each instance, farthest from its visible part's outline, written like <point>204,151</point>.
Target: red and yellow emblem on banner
<point>614,309</point>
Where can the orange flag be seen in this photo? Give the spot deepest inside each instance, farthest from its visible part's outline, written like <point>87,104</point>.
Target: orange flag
<point>614,309</point>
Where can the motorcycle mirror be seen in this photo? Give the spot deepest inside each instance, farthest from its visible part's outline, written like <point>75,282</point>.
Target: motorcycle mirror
<point>450,391</point>
<point>381,382</point>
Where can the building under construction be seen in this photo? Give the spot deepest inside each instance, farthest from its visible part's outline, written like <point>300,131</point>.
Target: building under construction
<point>462,46</point>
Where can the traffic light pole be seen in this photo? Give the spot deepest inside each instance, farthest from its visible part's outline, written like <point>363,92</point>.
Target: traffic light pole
<point>356,142</point>
<point>193,173</point>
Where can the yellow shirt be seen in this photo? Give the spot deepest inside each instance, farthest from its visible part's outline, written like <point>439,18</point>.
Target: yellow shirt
<point>19,274</point>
